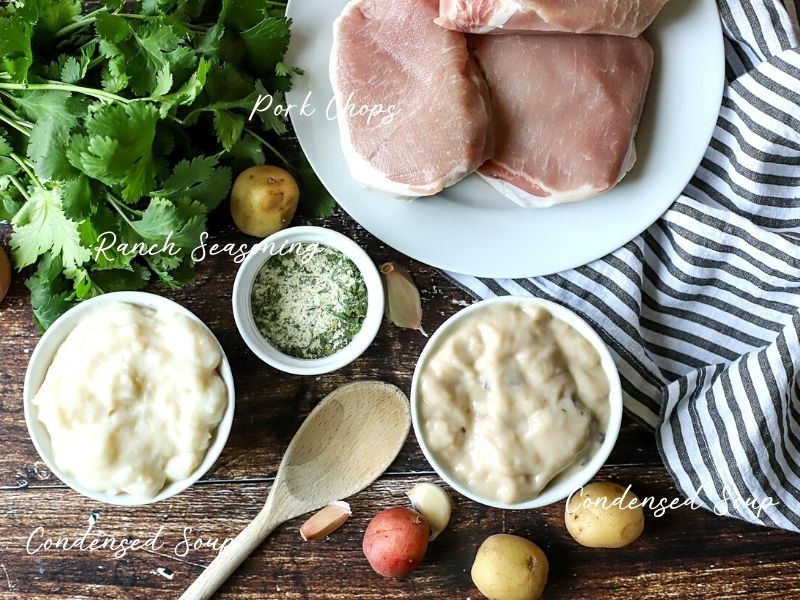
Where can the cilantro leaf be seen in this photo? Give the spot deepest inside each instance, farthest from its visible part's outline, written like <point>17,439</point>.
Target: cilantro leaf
<point>189,91</point>
<point>112,28</point>
<point>7,165</point>
<point>172,226</point>
<point>49,16</point>
<point>102,234</point>
<point>148,66</point>
<point>50,292</point>
<point>269,118</point>
<point>50,135</point>
<point>163,82</point>
<point>247,152</point>
<point>41,227</point>
<point>316,200</point>
<point>40,104</point>
<point>5,147</point>
<point>71,71</point>
<point>265,41</point>
<point>210,44</point>
<point>77,199</point>
<point>96,283</point>
<point>175,275</point>
<point>122,280</point>
<point>228,126</point>
<point>114,78</point>
<point>15,47</point>
<point>117,147</point>
<point>199,180</point>
<point>242,14</point>
<point>9,205</point>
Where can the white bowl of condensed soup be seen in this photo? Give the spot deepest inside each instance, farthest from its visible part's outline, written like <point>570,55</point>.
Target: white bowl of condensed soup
<point>129,398</point>
<point>516,402</point>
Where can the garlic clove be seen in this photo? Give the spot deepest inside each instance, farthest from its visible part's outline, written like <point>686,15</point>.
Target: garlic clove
<point>435,505</point>
<point>326,521</point>
<point>403,303</point>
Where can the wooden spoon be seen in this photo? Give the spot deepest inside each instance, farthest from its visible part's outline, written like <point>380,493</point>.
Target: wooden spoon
<point>344,445</point>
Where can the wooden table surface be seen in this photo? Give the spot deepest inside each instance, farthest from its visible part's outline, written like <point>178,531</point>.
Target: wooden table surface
<point>685,554</point>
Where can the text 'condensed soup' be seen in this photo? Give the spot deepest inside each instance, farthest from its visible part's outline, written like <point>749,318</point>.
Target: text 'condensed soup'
<point>131,399</point>
<point>512,398</point>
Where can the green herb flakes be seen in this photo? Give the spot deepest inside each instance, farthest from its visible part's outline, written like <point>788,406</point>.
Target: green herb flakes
<point>309,304</point>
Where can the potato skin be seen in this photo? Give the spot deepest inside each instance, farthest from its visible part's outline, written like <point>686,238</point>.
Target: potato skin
<point>509,567</point>
<point>395,541</point>
<point>264,200</point>
<point>601,515</point>
<point>5,274</point>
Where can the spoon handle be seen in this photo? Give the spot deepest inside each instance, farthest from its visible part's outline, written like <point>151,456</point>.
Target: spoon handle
<point>233,555</point>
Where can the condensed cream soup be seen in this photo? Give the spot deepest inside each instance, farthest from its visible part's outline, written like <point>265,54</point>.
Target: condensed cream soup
<point>511,399</point>
<point>132,398</point>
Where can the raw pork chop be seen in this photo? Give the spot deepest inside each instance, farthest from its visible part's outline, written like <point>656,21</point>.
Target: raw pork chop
<point>566,109</point>
<point>390,54</point>
<point>615,17</point>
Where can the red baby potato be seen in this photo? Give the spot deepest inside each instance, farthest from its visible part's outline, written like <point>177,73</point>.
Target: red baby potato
<point>396,541</point>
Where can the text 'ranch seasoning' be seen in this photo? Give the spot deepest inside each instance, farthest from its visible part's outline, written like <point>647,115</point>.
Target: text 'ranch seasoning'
<point>309,304</point>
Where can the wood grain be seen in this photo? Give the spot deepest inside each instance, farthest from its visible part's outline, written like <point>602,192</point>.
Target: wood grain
<point>685,554</point>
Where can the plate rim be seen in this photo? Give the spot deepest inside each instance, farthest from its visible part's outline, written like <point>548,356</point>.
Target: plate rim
<point>506,270</point>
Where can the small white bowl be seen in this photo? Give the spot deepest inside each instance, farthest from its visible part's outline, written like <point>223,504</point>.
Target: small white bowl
<point>562,486</point>
<point>42,358</point>
<point>261,347</point>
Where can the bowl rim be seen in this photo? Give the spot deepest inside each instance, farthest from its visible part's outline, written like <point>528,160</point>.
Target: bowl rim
<point>260,346</point>
<point>562,487</point>
<point>46,349</point>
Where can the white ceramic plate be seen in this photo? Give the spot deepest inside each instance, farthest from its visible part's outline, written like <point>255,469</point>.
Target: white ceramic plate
<point>470,228</point>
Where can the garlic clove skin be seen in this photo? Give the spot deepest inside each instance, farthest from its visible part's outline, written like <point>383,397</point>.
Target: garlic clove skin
<point>403,302</point>
<point>326,521</point>
<point>435,505</point>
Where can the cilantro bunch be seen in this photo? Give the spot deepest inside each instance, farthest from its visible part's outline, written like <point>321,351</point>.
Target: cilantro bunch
<point>127,124</point>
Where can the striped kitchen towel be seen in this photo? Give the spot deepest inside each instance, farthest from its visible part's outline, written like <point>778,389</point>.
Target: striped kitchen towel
<point>702,311</point>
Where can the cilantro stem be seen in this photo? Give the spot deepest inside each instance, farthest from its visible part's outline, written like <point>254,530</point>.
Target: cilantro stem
<point>25,168</point>
<point>119,205</point>
<point>118,209</point>
<point>272,148</point>
<point>65,87</point>
<point>11,114</point>
<point>95,62</point>
<point>19,187</point>
<point>80,22</point>
<point>15,125</point>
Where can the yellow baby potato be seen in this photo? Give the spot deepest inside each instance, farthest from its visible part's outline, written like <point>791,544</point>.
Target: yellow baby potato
<point>264,200</point>
<point>604,515</point>
<point>508,567</point>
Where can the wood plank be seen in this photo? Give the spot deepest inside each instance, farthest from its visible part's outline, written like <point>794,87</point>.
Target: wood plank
<point>685,554</point>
